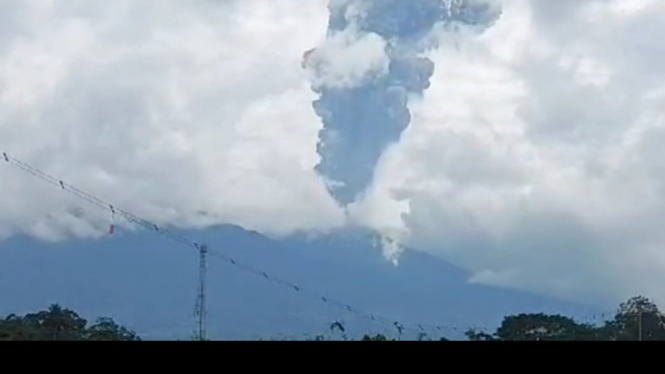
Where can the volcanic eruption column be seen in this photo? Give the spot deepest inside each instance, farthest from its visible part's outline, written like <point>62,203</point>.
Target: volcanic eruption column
<point>360,121</point>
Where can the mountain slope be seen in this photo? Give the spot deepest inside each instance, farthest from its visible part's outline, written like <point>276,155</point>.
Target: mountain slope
<point>149,283</point>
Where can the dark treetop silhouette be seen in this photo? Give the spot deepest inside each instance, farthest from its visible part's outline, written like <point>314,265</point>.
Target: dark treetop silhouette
<point>57,323</point>
<point>636,319</point>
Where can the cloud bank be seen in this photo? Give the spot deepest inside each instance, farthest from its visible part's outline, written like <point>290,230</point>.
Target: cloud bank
<point>187,114</point>
<point>532,158</point>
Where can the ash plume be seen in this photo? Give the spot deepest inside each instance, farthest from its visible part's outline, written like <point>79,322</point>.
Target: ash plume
<point>362,119</point>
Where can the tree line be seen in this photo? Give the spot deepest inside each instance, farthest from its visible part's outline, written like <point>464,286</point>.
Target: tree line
<point>636,319</point>
<point>57,323</point>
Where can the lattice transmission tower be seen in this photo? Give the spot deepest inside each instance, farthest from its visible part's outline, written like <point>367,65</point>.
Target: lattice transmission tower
<point>200,310</point>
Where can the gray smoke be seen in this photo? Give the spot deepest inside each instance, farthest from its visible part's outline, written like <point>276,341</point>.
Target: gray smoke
<point>361,121</point>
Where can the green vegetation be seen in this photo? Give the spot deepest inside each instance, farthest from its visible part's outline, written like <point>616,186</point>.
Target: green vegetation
<point>636,319</point>
<point>57,323</point>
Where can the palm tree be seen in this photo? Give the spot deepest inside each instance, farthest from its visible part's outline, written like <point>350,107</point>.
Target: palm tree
<point>60,324</point>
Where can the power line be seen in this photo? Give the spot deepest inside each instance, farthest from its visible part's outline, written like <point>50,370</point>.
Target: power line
<point>203,251</point>
<point>200,305</point>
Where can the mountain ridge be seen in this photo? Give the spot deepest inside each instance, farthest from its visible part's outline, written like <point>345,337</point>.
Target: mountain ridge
<point>149,284</point>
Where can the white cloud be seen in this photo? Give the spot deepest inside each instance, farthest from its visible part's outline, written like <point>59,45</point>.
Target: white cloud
<point>535,158</point>
<point>347,59</point>
<point>166,109</point>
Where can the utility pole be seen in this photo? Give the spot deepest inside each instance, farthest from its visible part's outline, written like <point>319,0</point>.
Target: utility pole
<point>200,333</point>
<point>639,324</point>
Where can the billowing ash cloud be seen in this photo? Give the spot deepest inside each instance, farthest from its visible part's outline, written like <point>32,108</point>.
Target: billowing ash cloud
<point>364,72</point>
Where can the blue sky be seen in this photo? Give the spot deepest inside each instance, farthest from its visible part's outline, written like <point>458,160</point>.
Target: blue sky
<point>519,140</point>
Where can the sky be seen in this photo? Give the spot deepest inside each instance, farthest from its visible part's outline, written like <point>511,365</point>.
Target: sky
<point>518,139</point>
